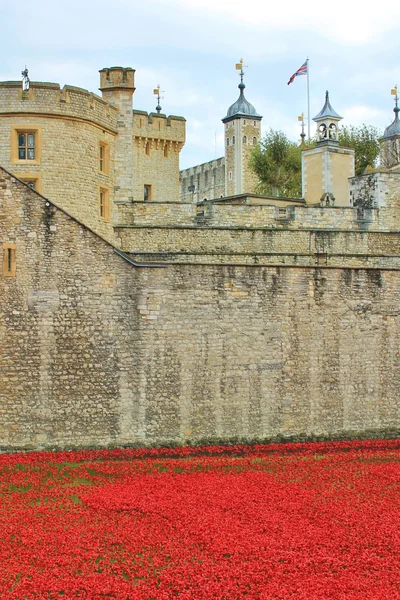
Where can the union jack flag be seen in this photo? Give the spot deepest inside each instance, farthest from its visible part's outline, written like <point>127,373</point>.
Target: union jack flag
<point>302,71</point>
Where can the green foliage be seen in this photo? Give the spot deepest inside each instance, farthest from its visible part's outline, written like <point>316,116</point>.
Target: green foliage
<point>277,160</point>
<point>277,164</point>
<point>364,141</point>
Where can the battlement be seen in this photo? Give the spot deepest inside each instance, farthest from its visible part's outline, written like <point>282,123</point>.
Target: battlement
<point>44,98</point>
<point>158,126</point>
<point>207,166</point>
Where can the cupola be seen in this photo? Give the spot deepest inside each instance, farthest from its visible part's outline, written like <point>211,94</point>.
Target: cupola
<point>327,121</point>
<point>242,107</point>
<point>394,128</point>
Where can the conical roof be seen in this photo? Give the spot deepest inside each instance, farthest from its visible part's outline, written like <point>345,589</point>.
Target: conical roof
<point>327,111</point>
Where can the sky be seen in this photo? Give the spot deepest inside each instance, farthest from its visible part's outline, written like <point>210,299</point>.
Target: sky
<point>190,48</point>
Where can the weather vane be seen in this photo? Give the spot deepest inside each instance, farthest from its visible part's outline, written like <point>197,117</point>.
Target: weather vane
<point>394,93</point>
<point>157,92</point>
<point>302,135</point>
<point>239,67</point>
<point>25,80</point>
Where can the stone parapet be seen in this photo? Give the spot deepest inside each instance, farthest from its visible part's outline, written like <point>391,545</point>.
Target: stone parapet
<point>353,246</point>
<point>288,215</point>
<point>52,100</point>
<point>157,126</point>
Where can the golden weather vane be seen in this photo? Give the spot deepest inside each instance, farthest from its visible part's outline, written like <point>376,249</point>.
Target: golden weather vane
<point>157,92</point>
<point>239,67</point>
<point>301,119</point>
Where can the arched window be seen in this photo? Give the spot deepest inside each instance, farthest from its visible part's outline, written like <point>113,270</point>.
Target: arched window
<point>254,141</point>
<point>245,139</point>
<point>227,141</point>
<point>233,140</point>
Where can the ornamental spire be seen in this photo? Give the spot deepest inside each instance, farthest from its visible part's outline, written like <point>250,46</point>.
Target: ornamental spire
<point>239,67</point>
<point>396,109</point>
<point>157,92</point>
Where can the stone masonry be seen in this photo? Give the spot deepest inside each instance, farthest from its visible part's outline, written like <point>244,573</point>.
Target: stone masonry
<point>99,351</point>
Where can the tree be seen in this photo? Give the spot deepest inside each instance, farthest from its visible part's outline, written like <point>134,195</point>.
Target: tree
<point>277,163</point>
<point>364,141</point>
<point>277,160</point>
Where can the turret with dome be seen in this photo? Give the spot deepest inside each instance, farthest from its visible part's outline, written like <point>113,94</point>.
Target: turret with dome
<point>390,141</point>
<point>242,132</point>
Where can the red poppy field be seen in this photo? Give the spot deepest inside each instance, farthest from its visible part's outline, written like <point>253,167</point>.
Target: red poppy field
<point>304,521</point>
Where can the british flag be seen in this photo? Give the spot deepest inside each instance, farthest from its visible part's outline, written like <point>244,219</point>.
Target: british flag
<point>302,71</point>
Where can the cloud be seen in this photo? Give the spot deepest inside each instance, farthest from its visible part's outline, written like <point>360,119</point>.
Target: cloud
<point>344,21</point>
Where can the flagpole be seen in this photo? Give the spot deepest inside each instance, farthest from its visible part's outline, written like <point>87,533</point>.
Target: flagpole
<point>308,97</point>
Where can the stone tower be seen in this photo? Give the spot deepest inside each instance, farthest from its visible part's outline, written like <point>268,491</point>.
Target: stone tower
<point>117,88</point>
<point>327,167</point>
<point>390,141</point>
<point>242,133</point>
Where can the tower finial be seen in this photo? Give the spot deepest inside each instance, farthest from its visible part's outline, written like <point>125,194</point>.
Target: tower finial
<point>396,101</point>
<point>302,135</point>
<point>239,67</point>
<point>157,92</point>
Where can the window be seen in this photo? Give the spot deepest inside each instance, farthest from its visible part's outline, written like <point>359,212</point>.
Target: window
<point>230,175</point>
<point>245,139</point>
<point>233,140</point>
<point>25,145</point>
<point>254,123</point>
<point>227,141</point>
<point>147,192</point>
<point>32,180</point>
<point>9,264</point>
<point>166,151</point>
<point>254,141</point>
<point>244,122</point>
<point>104,158</point>
<point>104,204</point>
<point>147,148</point>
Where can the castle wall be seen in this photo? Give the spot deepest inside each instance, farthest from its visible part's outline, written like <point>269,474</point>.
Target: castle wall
<point>263,246</point>
<point>208,179</point>
<point>376,190</point>
<point>157,143</point>
<point>69,125</point>
<point>96,352</point>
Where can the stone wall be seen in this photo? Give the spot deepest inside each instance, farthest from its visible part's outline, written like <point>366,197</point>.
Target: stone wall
<point>97,352</point>
<point>376,190</point>
<point>208,180</point>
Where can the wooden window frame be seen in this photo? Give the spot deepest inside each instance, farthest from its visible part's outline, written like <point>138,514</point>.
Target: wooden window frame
<point>104,204</point>
<point>27,129</point>
<point>150,192</point>
<point>104,158</point>
<point>9,260</point>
